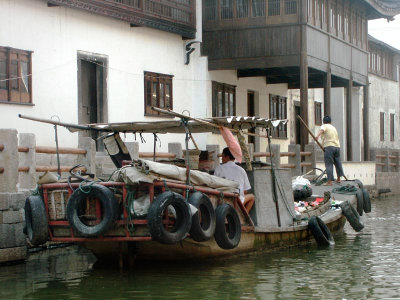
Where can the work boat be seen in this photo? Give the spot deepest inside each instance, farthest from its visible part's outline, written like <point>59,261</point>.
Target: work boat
<point>167,211</point>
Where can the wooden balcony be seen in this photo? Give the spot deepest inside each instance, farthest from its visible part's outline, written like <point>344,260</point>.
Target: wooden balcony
<point>177,16</point>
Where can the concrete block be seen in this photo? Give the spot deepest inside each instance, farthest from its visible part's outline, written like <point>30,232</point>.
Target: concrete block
<point>12,254</point>
<point>133,148</point>
<point>89,160</point>
<point>4,201</point>
<point>276,158</point>
<point>11,216</point>
<point>175,148</point>
<point>9,160</point>
<point>20,237</point>
<point>295,160</point>
<point>7,236</point>
<point>27,179</point>
<point>17,200</point>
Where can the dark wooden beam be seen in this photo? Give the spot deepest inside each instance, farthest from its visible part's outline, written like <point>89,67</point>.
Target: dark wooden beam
<point>303,74</point>
<point>366,122</point>
<point>327,93</point>
<point>349,113</point>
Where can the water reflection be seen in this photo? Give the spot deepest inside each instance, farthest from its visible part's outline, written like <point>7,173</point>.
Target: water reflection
<point>360,266</point>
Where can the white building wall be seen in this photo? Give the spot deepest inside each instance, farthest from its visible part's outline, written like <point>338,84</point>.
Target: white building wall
<point>57,34</point>
<point>383,97</point>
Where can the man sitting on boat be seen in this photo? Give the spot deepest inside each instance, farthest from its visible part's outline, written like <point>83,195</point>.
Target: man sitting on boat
<point>229,170</point>
<point>331,145</point>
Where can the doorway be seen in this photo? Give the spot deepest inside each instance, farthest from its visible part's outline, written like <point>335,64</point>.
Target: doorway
<point>92,93</point>
<point>251,110</point>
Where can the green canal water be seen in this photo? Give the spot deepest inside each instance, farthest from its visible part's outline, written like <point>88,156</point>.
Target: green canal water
<point>360,266</point>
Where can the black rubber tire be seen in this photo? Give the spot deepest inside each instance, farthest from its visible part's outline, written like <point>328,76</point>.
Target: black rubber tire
<point>36,220</point>
<point>321,232</point>
<point>110,209</point>
<point>155,218</point>
<point>227,237</point>
<point>360,201</point>
<point>367,201</point>
<point>359,183</point>
<point>352,216</point>
<point>203,221</point>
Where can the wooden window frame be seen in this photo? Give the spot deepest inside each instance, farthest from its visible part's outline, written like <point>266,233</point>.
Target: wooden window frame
<point>158,79</point>
<point>392,127</point>
<point>318,113</point>
<point>279,113</point>
<point>382,126</point>
<point>14,93</point>
<point>224,88</point>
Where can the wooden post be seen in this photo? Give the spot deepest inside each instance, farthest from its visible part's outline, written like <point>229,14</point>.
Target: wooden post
<point>303,74</point>
<point>366,123</point>
<point>327,93</point>
<point>349,112</point>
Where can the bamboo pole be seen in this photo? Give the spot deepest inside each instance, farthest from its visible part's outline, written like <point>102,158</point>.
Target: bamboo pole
<point>309,131</point>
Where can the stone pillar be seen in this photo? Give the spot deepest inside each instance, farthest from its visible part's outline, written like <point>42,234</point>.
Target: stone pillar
<point>313,158</point>
<point>27,180</point>
<point>215,150</point>
<point>276,152</point>
<point>9,160</point>
<point>89,159</point>
<point>250,147</point>
<point>295,160</point>
<point>386,161</point>
<point>133,148</point>
<point>175,148</point>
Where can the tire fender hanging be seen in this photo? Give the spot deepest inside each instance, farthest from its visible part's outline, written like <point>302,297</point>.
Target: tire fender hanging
<point>155,218</point>
<point>36,220</point>
<point>203,221</point>
<point>320,231</point>
<point>366,201</point>
<point>227,235</point>
<point>109,205</point>
<point>352,216</point>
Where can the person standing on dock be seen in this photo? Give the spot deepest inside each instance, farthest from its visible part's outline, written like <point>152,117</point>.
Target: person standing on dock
<point>331,144</point>
<point>229,170</point>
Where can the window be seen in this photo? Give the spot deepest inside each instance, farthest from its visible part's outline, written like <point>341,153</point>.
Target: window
<point>242,7</point>
<point>392,127</point>
<point>290,7</point>
<point>158,92</point>
<point>274,7</point>
<point>323,12</point>
<point>318,113</point>
<point>258,8</point>
<point>223,99</point>
<point>226,9</point>
<point>15,79</point>
<point>382,126</point>
<point>278,111</point>
<point>210,8</point>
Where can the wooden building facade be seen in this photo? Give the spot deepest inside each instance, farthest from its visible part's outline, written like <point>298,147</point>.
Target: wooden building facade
<point>304,43</point>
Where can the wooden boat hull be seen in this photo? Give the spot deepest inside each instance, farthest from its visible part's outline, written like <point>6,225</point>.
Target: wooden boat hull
<point>250,242</point>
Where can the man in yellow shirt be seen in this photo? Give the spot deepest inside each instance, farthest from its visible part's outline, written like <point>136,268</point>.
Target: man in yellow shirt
<point>331,144</point>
